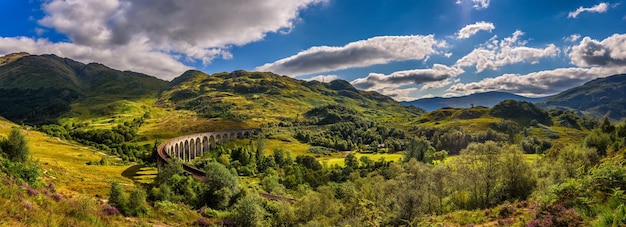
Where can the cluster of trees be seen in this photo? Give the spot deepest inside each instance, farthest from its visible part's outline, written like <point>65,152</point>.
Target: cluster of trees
<point>15,160</point>
<point>133,205</point>
<point>117,141</point>
<point>364,192</point>
<point>346,129</point>
<point>454,139</point>
<point>520,110</point>
<point>569,118</point>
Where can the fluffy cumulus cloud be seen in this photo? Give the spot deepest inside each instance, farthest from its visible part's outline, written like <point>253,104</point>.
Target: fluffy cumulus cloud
<point>537,84</point>
<point>477,4</point>
<point>608,52</point>
<point>376,50</point>
<point>150,35</point>
<point>497,53</point>
<point>471,29</point>
<point>599,8</point>
<point>437,76</point>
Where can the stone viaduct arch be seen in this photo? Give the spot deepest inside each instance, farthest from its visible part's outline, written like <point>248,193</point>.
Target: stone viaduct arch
<point>189,147</point>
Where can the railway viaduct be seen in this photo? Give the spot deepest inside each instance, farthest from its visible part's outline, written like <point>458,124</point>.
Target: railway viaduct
<point>191,146</point>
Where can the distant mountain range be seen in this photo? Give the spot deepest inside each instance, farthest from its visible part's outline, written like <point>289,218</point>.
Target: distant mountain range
<point>487,99</point>
<point>599,97</point>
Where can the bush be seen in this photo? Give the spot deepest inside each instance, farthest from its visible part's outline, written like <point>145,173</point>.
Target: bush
<point>137,202</point>
<point>117,198</point>
<point>15,147</point>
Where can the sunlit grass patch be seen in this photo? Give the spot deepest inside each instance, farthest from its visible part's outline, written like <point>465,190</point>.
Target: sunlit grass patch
<point>295,147</point>
<point>374,157</point>
<point>65,164</point>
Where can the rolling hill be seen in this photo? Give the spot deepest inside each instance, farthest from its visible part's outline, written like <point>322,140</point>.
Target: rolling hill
<point>599,97</point>
<point>266,97</point>
<point>487,99</point>
<point>38,89</point>
<point>47,89</point>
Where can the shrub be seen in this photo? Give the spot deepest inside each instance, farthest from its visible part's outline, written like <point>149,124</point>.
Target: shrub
<point>110,210</point>
<point>117,198</point>
<point>137,202</point>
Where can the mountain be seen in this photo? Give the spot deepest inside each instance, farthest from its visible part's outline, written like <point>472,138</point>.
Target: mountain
<point>266,97</point>
<point>44,89</point>
<point>487,99</point>
<point>599,97</point>
<point>37,89</point>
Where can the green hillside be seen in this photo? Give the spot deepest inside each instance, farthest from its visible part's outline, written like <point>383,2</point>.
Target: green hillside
<point>600,97</point>
<point>263,97</point>
<point>41,89</point>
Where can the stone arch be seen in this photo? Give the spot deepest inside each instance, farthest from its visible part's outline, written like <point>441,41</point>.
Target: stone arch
<point>198,147</point>
<point>218,139</point>
<point>212,141</point>
<point>205,145</point>
<point>176,150</point>
<point>232,135</point>
<point>186,150</point>
<point>192,149</point>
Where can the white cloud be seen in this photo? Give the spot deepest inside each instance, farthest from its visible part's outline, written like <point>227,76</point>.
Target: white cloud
<point>437,76</point>
<point>471,29</point>
<point>537,84</point>
<point>162,31</point>
<point>376,50</point>
<point>323,78</point>
<point>399,94</point>
<point>572,38</point>
<point>599,8</point>
<point>427,96</point>
<point>477,4</point>
<point>510,50</point>
<point>608,52</point>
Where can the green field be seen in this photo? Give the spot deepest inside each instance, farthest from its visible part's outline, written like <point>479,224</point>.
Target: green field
<point>374,157</point>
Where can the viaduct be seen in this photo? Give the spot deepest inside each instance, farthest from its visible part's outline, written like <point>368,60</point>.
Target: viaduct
<point>191,146</point>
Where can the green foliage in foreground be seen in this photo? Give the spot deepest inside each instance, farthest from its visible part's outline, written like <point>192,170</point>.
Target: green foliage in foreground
<point>15,159</point>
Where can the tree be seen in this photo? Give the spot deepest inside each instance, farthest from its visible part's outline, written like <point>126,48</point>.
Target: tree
<point>416,149</point>
<point>480,165</point>
<point>117,198</point>
<point>137,202</point>
<point>519,181</point>
<point>351,161</point>
<point>15,146</point>
<point>248,211</point>
<point>221,185</point>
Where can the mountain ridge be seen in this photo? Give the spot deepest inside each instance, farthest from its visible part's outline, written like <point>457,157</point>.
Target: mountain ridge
<point>38,89</point>
<point>487,99</point>
<point>599,97</point>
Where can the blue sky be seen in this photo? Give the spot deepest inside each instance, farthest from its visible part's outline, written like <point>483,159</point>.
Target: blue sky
<point>406,49</point>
